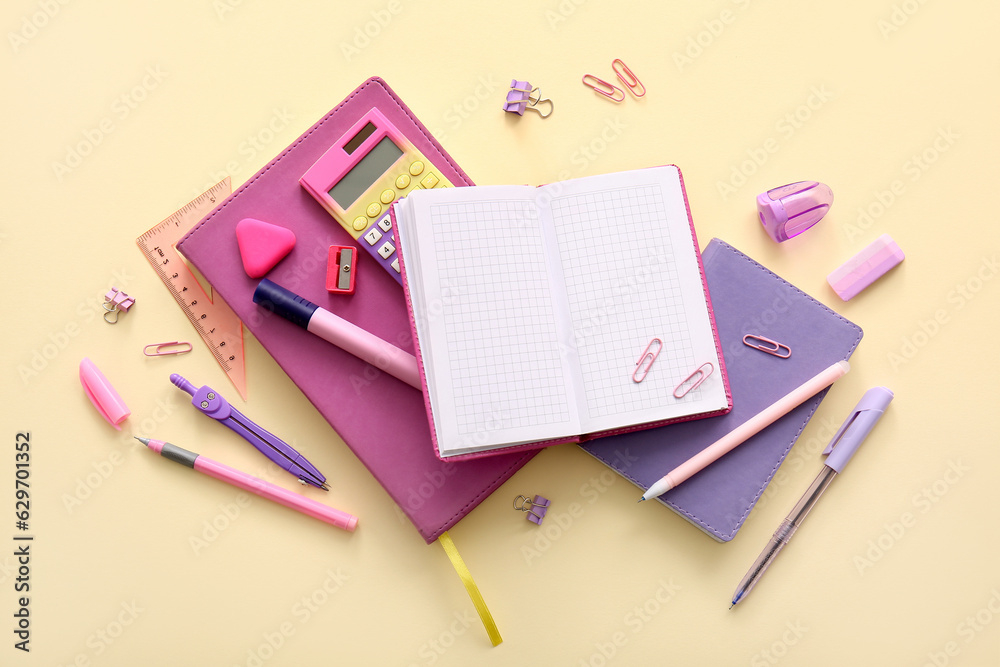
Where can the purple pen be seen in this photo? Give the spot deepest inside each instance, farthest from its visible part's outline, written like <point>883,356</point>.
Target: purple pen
<point>208,401</point>
<point>840,450</point>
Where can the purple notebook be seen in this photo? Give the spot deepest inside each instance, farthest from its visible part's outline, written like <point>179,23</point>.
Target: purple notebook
<point>748,299</point>
<point>382,420</point>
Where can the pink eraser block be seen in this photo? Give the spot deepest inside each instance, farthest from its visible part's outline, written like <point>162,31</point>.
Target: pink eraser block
<point>865,268</point>
<point>262,245</point>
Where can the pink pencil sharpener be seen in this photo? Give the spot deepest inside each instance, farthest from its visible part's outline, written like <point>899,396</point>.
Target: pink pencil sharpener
<point>791,209</point>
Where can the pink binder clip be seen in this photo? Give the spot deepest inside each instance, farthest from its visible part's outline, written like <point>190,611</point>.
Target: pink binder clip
<point>693,381</point>
<point>535,509</point>
<point>601,87</point>
<point>632,82</point>
<point>116,301</point>
<point>648,357</point>
<point>772,347</point>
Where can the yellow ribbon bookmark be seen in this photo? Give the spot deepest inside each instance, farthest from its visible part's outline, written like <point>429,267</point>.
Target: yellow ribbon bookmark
<point>470,586</point>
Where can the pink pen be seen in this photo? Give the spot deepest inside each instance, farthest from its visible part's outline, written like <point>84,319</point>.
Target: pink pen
<point>345,335</point>
<point>252,484</point>
<point>747,429</point>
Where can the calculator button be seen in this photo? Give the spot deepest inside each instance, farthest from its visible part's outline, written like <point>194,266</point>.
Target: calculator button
<point>373,236</point>
<point>360,223</point>
<point>386,250</point>
<point>395,264</point>
<point>385,224</point>
<point>374,209</point>
<point>416,167</point>
<point>430,180</point>
<point>387,196</point>
<point>402,181</point>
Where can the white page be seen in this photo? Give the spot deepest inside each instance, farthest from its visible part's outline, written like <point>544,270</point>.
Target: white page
<point>490,337</point>
<point>630,273</point>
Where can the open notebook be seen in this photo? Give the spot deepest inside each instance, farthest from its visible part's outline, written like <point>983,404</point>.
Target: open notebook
<point>532,306</point>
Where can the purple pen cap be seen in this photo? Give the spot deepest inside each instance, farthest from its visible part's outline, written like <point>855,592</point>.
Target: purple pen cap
<point>791,209</point>
<point>100,392</point>
<point>857,427</point>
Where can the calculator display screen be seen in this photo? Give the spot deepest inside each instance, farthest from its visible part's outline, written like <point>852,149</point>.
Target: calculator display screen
<point>364,173</point>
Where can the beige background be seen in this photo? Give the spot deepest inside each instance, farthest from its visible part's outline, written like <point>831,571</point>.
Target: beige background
<point>119,113</point>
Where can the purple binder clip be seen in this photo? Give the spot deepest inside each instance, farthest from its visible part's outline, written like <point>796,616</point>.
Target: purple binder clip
<point>522,97</point>
<point>535,509</point>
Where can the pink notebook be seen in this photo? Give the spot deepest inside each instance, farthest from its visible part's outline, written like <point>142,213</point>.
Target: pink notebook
<point>560,313</point>
<point>381,419</point>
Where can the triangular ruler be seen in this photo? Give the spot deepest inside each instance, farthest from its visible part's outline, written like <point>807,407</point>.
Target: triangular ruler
<point>215,321</point>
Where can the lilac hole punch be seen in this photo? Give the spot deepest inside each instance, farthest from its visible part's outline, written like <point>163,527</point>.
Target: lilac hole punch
<point>535,509</point>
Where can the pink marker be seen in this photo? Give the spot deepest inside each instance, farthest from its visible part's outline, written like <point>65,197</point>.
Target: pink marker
<point>253,484</point>
<point>345,335</point>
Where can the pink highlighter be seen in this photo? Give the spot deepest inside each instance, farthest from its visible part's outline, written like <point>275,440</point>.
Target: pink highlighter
<point>345,335</point>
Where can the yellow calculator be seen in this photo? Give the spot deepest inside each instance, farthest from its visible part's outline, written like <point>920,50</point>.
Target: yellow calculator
<point>361,175</point>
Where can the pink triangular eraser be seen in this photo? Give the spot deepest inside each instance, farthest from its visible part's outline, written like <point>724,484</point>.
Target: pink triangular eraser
<point>262,245</point>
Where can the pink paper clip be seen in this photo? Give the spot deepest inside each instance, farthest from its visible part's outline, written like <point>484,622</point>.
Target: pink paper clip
<point>646,354</point>
<point>165,349</point>
<point>767,345</point>
<point>699,376</point>
<point>632,86</point>
<point>610,91</point>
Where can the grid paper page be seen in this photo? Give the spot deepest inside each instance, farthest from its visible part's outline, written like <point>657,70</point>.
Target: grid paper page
<point>505,365</point>
<point>624,290</point>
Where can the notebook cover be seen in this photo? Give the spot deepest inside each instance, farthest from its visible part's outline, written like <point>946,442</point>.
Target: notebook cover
<point>748,299</point>
<point>381,419</point>
<point>587,436</point>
